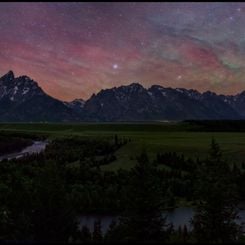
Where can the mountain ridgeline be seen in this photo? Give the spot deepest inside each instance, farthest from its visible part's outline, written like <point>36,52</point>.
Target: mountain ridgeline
<point>22,100</point>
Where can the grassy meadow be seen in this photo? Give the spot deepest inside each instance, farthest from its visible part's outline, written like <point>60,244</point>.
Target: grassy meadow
<point>182,137</point>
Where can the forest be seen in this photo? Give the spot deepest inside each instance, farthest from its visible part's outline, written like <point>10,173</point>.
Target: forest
<point>41,195</point>
<point>13,144</point>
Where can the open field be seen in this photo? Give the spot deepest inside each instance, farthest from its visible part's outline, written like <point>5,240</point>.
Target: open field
<point>154,137</point>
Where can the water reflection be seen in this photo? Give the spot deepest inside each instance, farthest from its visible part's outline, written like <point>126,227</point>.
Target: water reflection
<point>178,217</point>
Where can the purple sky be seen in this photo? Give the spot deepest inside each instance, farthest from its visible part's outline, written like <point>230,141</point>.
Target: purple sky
<point>75,49</point>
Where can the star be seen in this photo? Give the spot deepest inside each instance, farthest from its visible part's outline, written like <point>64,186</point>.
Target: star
<point>115,66</point>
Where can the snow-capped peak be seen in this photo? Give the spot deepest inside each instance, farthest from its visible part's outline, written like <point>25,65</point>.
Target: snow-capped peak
<point>18,89</point>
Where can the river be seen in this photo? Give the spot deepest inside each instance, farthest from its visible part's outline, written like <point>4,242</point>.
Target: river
<point>36,147</point>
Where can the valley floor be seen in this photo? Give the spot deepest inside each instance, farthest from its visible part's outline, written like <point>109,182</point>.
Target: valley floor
<point>180,137</point>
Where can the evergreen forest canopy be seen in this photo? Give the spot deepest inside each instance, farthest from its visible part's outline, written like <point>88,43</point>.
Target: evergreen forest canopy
<point>41,195</point>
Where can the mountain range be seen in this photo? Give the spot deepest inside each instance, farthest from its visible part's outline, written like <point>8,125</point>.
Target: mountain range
<point>22,100</point>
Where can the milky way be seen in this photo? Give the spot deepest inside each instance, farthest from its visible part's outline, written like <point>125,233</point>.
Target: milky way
<point>75,49</point>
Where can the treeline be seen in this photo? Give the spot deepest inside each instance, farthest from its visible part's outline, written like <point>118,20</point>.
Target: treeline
<point>23,135</point>
<point>42,195</point>
<point>12,144</point>
<point>216,125</point>
<point>96,152</point>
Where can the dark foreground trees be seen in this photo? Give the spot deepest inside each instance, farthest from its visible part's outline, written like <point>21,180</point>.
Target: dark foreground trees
<point>41,196</point>
<point>216,211</point>
<point>53,218</point>
<point>142,220</point>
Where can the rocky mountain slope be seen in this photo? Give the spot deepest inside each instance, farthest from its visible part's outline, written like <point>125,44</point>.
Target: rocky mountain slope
<point>22,100</point>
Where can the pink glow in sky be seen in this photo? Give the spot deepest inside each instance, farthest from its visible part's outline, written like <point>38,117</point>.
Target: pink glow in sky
<point>75,49</point>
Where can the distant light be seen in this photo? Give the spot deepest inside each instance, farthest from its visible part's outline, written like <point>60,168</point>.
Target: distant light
<point>115,66</point>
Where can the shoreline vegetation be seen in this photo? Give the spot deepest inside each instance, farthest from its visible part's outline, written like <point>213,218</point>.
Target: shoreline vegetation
<point>135,171</point>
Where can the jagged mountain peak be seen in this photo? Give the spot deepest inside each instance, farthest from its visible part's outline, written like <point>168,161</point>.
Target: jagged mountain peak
<point>18,89</point>
<point>156,87</point>
<point>26,81</point>
<point>209,93</point>
<point>10,80</point>
<point>135,85</point>
<point>24,78</point>
<point>75,104</point>
<point>21,99</point>
<point>77,101</point>
<point>134,102</point>
<point>9,76</point>
<point>124,89</point>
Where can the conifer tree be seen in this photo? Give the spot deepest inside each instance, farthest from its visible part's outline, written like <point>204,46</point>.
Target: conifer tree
<point>53,218</point>
<point>216,211</point>
<point>142,220</point>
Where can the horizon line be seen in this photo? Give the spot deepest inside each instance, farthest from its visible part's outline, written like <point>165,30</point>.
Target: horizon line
<point>115,87</point>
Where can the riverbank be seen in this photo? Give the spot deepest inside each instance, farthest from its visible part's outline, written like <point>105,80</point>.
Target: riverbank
<point>35,148</point>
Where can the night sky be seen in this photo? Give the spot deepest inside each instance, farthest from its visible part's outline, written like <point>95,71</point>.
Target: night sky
<point>75,49</point>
